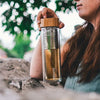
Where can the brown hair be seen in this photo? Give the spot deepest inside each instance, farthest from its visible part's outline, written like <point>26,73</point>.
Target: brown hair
<point>84,50</point>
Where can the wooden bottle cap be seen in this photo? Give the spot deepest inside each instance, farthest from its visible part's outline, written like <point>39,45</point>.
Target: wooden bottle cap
<point>47,22</point>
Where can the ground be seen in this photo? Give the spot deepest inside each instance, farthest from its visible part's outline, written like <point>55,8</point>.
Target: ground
<point>16,84</point>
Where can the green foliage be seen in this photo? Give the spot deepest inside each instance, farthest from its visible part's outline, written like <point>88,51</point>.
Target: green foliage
<point>62,5</point>
<point>19,10</point>
<point>9,52</point>
<point>22,45</point>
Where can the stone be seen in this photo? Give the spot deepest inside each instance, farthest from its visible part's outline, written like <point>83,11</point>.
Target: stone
<point>16,84</point>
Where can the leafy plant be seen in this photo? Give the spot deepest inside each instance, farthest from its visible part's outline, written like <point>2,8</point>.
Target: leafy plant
<point>18,9</point>
<point>18,21</point>
<point>22,45</point>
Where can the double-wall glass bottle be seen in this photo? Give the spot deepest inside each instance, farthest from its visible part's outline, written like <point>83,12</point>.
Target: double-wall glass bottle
<point>50,50</point>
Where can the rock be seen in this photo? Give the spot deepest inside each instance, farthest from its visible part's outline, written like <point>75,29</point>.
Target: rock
<point>15,84</point>
<point>15,73</point>
<point>56,93</point>
<point>14,68</point>
<point>6,93</point>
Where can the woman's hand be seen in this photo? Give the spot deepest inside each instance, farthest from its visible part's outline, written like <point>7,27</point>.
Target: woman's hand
<point>47,13</point>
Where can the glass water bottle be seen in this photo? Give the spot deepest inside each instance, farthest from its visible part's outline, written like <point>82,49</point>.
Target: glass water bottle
<point>50,50</point>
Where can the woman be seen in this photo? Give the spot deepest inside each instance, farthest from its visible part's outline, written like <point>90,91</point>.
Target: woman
<point>80,55</point>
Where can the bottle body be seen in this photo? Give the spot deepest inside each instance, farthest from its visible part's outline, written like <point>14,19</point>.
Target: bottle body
<point>51,54</point>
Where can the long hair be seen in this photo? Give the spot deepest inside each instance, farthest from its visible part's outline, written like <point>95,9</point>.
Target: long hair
<point>84,52</point>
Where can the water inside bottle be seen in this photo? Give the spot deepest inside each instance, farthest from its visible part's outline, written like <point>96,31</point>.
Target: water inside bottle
<point>52,64</point>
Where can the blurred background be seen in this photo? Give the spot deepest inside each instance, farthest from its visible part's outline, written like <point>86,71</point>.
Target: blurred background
<point>19,33</point>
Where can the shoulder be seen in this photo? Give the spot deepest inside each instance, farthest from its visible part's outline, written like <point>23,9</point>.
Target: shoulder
<point>65,48</point>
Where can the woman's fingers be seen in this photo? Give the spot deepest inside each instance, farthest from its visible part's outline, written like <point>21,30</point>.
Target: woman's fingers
<point>61,25</point>
<point>47,13</point>
<point>39,17</point>
<point>44,12</point>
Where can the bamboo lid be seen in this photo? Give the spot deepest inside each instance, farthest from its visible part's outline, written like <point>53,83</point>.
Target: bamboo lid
<point>47,22</point>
